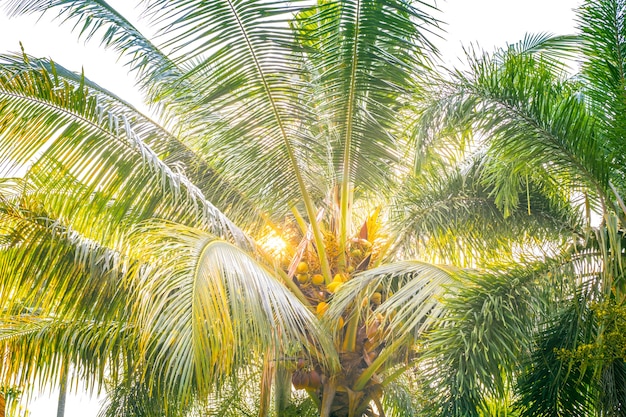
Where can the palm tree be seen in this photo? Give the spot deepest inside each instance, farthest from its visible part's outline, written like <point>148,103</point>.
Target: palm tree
<point>244,233</point>
<point>543,338</point>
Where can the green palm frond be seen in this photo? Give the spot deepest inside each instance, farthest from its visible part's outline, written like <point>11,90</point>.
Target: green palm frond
<point>612,391</point>
<point>60,129</point>
<point>551,48</point>
<point>531,119</point>
<point>98,19</point>
<point>401,399</point>
<point>455,215</point>
<point>135,399</point>
<point>207,309</point>
<point>53,269</point>
<point>237,56</point>
<point>411,293</point>
<point>168,147</point>
<point>550,385</point>
<point>37,347</point>
<point>364,56</point>
<point>486,327</point>
<point>602,31</point>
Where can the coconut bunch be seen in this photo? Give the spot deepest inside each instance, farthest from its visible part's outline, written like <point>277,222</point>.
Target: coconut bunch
<point>365,250</point>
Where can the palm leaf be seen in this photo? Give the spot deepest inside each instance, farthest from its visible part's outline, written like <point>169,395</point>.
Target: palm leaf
<point>61,129</point>
<point>487,325</point>
<point>169,148</point>
<point>527,113</point>
<point>53,269</point>
<point>37,347</point>
<point>454,215</point>
<point>364,55</point>
<point>208,310</point>
<point>92,18</point>
<point>550,385</point>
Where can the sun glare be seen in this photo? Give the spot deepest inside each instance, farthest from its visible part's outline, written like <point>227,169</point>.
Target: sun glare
<point>274,244</point>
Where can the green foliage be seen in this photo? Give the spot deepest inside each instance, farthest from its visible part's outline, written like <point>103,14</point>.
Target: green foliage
<point>551,384</point>
<point>128,246</point>
<point>486,328</point>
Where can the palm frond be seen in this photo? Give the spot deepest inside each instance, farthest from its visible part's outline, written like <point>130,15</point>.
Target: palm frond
<point>63,131</point>
<point>550,385</point>
<point>530,118</point>
<point>454,215</point>
<point>135,399</point>
<point>48,267</point>
<point>208,309</point>
<point>238,59</point>
<point>407,299</point>
<point>472,353</point>
<point>98,19</point>
<point>168,147</point>
<point>411,293</point>
<point>550,48</point>
<point>400,399</point>
<point>364,55</point>
<point>37,347</point>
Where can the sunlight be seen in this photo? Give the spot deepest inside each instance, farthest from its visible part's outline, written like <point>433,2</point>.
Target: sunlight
<point>274,244</point>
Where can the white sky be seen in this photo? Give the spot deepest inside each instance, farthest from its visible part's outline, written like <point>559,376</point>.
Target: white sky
<point>489,23</point>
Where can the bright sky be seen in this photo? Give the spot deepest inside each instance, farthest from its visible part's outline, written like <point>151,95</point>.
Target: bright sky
<point>489,23</point>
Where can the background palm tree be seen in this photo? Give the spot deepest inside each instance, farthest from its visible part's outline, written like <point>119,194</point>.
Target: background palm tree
<point>542,338</point>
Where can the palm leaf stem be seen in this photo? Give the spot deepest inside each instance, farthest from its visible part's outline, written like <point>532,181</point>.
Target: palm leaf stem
<point>349,341</point>
<point>327,397</point>
<point>266,384</point>
<point>379,406</point>
<point>618,197</point>
<point>300,220</point>
<point>385,354</point>
<point>308,202</point>
<point>346,190</point>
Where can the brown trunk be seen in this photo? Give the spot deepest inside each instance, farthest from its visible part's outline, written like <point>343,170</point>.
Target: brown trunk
<point>343,402</point>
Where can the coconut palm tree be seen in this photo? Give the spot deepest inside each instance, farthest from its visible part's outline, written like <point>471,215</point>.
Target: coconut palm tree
<point>268,228</point>
<point>545,339</point>
<point>171,260</point>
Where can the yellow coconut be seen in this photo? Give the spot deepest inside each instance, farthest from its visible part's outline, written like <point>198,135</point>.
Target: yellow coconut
<point>302,268</point>
<point>317,279</point>
<point>321,308</point>
<point>376,298</point>
<point>334,286</point>
<point>340,278</point>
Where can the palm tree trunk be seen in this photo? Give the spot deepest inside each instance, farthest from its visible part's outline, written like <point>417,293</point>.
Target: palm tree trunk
<point>62,392</point>
<point>2,405</point>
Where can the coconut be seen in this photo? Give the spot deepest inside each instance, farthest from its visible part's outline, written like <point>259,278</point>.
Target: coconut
<point>376,298</point>
<point>317,279</point>
<point>302,268</point>
<point>315,379</point>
